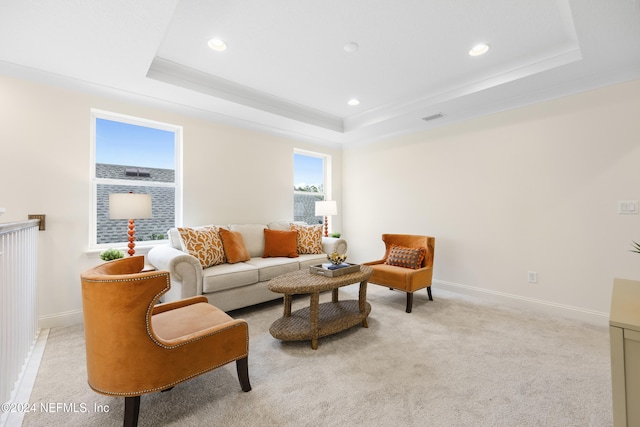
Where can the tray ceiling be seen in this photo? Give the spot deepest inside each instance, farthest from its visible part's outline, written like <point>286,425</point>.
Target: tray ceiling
<point>291,66</point>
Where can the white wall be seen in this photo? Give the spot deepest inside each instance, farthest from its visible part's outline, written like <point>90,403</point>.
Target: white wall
<point>532,189</point>
<point>230,175</point>
<point>529,189</point>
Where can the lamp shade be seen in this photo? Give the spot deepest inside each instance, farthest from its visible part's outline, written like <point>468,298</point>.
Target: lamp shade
<point>129,206</point>
<point>326,208</point>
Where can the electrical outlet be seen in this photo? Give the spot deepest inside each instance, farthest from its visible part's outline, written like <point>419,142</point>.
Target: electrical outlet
<point>628,207</point>
<point>533,277</point>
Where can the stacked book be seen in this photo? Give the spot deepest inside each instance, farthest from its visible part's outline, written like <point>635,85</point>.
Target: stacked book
<point>330,266</point>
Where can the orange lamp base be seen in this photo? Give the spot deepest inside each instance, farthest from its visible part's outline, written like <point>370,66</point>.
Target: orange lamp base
<point>132,237</point>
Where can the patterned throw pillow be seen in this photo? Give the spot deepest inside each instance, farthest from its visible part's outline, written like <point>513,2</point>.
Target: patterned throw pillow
<point>401,256</point>
<point>204,243</point>
<point>309,239</point>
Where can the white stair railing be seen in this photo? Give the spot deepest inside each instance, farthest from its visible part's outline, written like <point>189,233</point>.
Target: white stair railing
<point>18,301</point>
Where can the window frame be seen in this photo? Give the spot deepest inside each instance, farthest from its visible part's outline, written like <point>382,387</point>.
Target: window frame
<point>141,246</point>
<point>326,174</point>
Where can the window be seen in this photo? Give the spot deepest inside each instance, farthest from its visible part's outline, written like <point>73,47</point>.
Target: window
<point>310,184</point>
<point>138,156</point>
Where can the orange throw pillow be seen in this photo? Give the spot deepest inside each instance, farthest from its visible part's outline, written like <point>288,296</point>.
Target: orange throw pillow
<point>234,247</point>
<point>280,243</point>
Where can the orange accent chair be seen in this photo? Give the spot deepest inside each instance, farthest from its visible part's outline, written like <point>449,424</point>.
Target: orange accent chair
<point>135,346</point>
<point>402,278</point>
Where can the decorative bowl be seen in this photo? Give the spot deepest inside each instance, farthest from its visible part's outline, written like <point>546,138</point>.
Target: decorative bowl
<point>337,258</point>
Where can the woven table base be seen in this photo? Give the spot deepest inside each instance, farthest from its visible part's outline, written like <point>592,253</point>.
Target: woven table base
<point>319,320</point>
<point>333,317</point>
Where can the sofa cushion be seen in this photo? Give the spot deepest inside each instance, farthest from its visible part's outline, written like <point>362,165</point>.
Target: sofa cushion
<point>253,236</point>
<point>234,247</point>
<point>271,267</point>
<point>204,243</point>
<point>402,256</point>
<point>174,238</point>
<point>283,225</point>
<point>228,276</point>
<point>309,238</point>
<point>279,243</point>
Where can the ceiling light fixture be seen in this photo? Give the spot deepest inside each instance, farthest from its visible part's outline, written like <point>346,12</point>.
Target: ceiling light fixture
<point>351,47</point>
<point>479,49</point>
<point>353,102</point>
<point>433,117</point>
<point>217,45</point>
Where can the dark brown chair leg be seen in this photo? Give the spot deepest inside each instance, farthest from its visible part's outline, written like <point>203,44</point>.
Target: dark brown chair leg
<point>131,411</point>
<point>409,302</point>
<point>429,291</point>
<point>242,366</point>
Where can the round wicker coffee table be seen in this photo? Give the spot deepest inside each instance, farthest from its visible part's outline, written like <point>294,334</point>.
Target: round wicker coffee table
<point>319,320</point>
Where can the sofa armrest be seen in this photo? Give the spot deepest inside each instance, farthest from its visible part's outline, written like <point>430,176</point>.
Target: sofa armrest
<point>334,244</point>
<point>184,270</point>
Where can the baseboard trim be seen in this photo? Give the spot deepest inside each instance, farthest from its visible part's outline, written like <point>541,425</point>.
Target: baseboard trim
<point>578,313</point>
<point>66,318</point>
<point>26,380</point>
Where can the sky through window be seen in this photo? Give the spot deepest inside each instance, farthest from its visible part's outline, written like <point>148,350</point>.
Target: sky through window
<point>120,143</point>
<point>307,170</point>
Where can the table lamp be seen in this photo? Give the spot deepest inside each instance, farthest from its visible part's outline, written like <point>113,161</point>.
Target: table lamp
<point>326,208</point>
<point>130,206</point>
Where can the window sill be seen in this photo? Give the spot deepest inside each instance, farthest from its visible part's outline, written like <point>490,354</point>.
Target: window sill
<point>141,249</point>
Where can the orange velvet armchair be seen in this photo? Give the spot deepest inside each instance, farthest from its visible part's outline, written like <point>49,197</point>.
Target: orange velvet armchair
<point>405,279</point>
<point>135,346</point>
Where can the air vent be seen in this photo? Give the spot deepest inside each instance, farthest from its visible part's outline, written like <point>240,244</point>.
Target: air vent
<point>137,172</point>
<point>433,117</point>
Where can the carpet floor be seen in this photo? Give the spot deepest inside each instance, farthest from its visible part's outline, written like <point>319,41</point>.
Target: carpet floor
<point>455,361</point>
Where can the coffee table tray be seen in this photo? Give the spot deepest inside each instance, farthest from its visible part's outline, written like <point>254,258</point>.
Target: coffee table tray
<point>317,269</point>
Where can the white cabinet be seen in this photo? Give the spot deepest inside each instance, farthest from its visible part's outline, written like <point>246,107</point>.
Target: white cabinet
<point>624,332</point>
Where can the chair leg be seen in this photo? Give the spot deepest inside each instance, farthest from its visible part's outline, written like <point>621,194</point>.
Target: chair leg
<point>429,291</point>
<point>242,366</point>
<point>409,302</point>
<point>131,411</point>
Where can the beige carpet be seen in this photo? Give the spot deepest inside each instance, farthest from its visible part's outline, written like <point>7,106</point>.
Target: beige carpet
<point>454,361</point>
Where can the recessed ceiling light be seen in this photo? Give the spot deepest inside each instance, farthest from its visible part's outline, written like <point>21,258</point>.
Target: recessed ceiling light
<point>351,47</point>
<point>353,102</point>
<point>479,49</point>
<point>217,45</point>
<point>433,117</point>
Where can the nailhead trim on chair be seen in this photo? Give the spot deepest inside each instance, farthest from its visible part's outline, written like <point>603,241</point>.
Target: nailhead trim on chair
<point>164,387</point>
<point>125,280</point>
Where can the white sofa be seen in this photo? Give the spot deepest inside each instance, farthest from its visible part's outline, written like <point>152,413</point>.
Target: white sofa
<point>233,286</point>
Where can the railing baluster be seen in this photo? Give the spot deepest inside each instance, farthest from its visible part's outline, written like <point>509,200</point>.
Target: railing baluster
<point>18,301</point>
